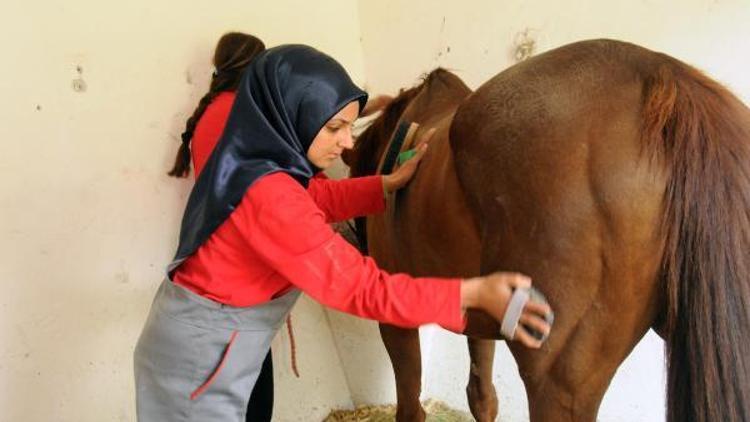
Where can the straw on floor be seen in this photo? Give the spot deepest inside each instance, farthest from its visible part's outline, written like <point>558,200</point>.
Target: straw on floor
<point>437,411</point>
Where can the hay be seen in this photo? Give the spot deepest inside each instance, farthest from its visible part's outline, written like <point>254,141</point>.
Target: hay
<point>436,412</point>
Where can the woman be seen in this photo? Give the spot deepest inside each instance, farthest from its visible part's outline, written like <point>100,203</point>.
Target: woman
<point>255,234</point>
<point>232,54</point>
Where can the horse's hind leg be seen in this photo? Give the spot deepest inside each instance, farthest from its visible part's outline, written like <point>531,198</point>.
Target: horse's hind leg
<point>480,391</point>
<point>555,398</point>
<point>568,384</point>
<point>403,349</point>
<point>598,323</point>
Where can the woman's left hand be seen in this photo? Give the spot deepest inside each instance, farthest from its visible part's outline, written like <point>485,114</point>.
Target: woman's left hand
<point>402,175</point>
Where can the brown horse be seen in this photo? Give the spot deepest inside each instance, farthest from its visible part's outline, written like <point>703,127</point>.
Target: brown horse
<point>619,180</point>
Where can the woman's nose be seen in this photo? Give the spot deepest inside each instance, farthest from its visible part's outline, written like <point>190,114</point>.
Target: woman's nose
<point>346,141</point>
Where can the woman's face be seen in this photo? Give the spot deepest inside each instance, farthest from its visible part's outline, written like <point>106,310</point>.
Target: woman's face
<point>334,137</point>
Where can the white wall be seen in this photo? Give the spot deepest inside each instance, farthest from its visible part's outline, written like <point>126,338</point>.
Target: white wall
<point>402,40</point>
<point>475,38</point>
<point>88,218</point>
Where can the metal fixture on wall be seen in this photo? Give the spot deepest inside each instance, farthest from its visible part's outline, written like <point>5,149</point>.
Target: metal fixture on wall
<point>525,45</point>
<point>79,85</point>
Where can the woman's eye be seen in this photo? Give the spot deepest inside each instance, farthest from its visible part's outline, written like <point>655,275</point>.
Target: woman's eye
<point>334,128</point>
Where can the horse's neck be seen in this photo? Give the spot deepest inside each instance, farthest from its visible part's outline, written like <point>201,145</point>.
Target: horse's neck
<point>430,210</point>
<point>444,167</point>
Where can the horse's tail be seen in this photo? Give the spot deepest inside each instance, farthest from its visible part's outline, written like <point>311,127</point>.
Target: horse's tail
<point>702,133</point>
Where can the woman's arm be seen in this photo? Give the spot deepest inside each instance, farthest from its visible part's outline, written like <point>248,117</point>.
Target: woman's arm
<point>291,235</point>
<point>347,198</point>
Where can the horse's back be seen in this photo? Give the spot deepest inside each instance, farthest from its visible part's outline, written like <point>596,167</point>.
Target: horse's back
<point>551,147</point>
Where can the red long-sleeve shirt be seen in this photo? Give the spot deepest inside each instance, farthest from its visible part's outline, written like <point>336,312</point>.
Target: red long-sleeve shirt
<point>278,238</point>
<point>209,128</point>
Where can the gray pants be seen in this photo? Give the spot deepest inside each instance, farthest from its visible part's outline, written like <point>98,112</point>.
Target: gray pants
<point>197,360</point>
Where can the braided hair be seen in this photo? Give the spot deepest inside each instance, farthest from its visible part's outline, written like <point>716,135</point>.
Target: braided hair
<point>234,51</point>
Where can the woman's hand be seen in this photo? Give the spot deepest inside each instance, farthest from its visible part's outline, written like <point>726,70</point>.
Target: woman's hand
<point>403,174</point>
<point>492,294</point>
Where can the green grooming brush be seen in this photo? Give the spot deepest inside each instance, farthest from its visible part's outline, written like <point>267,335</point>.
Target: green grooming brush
<point>406,156</point>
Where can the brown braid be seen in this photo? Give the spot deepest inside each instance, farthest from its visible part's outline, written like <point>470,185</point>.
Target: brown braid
<point>233,53</point>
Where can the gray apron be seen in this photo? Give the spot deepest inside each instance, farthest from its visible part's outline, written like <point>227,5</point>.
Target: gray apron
<point>198,360</point>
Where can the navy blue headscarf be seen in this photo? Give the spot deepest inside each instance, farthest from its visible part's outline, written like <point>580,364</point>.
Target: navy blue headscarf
<point>285,97</point>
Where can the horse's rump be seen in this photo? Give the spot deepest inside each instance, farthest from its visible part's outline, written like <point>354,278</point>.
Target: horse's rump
<point>618,178</point>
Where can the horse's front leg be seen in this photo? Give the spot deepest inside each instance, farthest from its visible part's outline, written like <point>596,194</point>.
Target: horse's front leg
<point>480,391</point>
<point>403,348</point>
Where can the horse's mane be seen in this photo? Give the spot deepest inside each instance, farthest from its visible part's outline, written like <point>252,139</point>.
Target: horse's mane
<point>381,128</point>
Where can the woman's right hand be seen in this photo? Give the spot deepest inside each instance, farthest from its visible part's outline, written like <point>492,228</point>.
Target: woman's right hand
<point>492,293</point>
